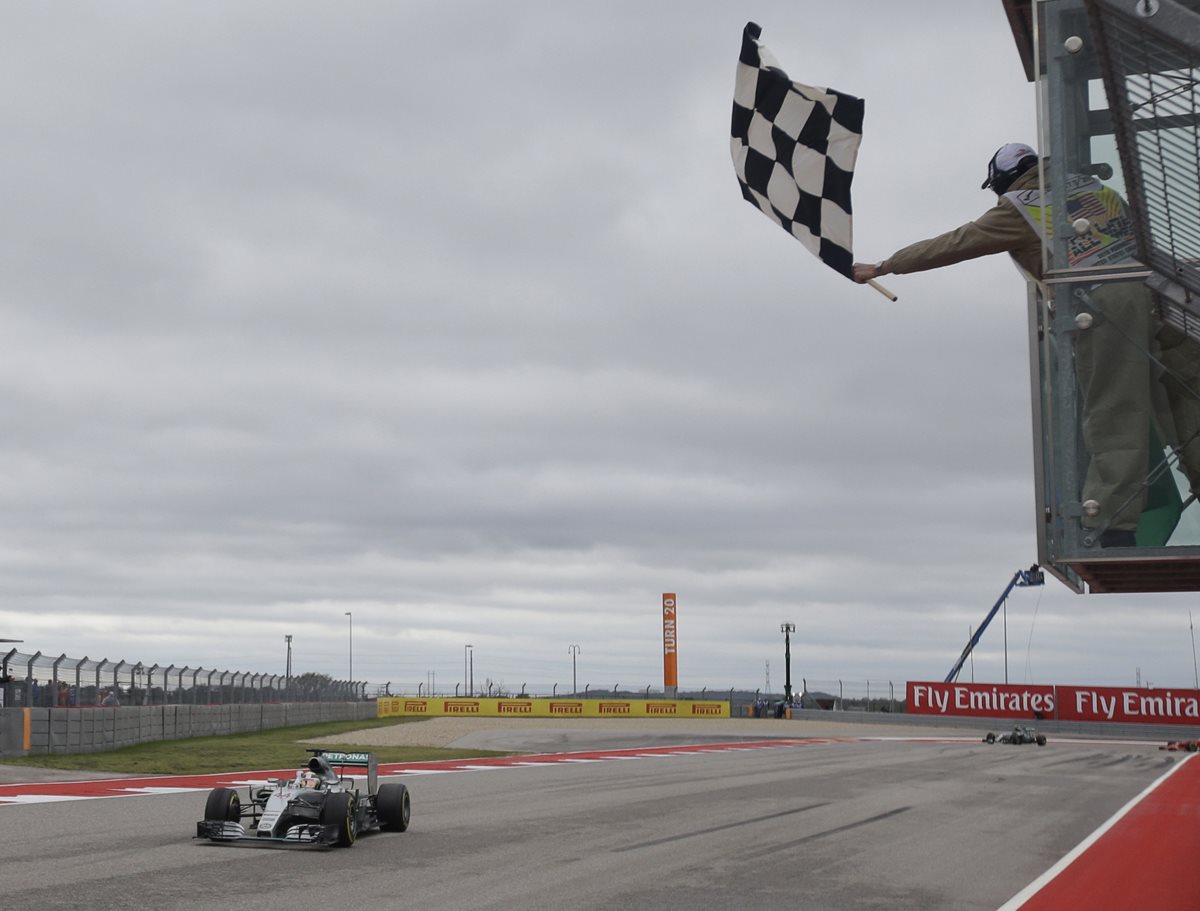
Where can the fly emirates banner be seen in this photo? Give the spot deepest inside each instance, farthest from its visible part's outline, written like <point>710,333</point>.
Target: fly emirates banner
<point>1125,705</point>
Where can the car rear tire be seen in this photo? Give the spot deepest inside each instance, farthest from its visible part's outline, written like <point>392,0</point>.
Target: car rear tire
<point>393,806</point>
<point>339,811</point>
<point>223,804</point>
<point>990,738</point>
<point>1041,740</point>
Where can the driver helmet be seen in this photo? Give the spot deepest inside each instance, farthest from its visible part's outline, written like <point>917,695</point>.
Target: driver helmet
<point>308,780</point>
<point>1010,161</point>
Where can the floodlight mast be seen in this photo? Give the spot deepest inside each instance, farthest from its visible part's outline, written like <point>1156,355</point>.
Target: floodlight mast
<point>787,629</point>
<point>1022,578</point>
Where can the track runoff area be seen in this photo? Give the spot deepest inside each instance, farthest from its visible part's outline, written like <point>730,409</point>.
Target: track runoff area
<point>1143,856</point>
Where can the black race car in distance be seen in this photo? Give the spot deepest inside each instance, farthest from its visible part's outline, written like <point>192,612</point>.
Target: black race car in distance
<point>1019,735</point>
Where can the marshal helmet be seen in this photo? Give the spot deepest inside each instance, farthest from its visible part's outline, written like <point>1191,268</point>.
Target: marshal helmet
<point>1010,162</point>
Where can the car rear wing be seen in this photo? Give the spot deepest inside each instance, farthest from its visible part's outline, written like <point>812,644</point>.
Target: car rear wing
<point>353,760</point>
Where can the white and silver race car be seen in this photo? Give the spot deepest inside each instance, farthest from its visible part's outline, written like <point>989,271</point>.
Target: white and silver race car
<point>318,806</point>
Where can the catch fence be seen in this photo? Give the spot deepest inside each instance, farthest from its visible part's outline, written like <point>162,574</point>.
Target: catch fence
<point>45,681</point>
<point>849,695</point>
<point>38,680</point>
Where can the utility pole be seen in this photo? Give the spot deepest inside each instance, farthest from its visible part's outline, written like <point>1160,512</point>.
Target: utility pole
<point>574,650</point>
<point>1195,672</point>
<point>351,616</point>
<point>1006,640</point>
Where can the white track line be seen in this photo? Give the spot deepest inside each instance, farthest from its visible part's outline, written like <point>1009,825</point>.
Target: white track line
<point>1038,884</point>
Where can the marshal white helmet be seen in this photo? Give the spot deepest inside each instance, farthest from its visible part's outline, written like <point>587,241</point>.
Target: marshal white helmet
<point>1010,162</point>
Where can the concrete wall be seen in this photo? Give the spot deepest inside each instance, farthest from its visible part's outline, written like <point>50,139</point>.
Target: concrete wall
<point>12,732</point>
<point>92,730</point>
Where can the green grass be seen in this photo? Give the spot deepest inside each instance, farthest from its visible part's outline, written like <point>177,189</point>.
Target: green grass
<point>278,748</point>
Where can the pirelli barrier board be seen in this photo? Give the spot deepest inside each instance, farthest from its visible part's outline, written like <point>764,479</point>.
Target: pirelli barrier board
<point>552,708</point>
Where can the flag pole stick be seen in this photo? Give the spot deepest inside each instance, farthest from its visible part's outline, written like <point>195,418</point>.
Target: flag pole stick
<point>882,290</point>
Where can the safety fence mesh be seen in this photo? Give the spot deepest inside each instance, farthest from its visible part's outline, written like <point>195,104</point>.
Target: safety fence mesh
<point>1149,59</point>
<point>63,681</point>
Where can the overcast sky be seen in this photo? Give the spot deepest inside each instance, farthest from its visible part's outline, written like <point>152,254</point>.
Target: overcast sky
<point>451,315</point>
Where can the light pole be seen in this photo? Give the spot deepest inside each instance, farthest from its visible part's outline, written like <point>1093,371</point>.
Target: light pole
<point>787,629</point>
<point>287,679</point>
<point>468,675</point>
<point>351,616</point>
<point>1006,640</point>
<point>574,650</point>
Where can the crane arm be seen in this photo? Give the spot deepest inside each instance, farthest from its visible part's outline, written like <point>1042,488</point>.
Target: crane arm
<point>1022,577</point>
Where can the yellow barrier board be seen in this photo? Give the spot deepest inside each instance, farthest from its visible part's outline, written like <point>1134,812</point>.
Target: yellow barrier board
<point>390,706</point>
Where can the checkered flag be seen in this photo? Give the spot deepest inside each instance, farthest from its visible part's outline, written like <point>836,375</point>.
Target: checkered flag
<point>794,148</point>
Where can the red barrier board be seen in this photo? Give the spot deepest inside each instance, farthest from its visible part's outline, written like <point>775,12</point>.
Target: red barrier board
<point>1128,705</point>
<point>981,700</point>
<point>1118,705</point>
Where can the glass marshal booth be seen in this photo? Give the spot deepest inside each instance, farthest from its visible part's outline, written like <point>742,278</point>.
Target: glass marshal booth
<point>1115,319</point>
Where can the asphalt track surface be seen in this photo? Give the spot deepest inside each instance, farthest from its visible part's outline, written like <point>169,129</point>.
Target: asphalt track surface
<point>808,824</point>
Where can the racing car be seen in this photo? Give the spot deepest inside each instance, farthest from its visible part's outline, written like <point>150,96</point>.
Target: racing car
<point>1019,735</point>
<point>317,806</point>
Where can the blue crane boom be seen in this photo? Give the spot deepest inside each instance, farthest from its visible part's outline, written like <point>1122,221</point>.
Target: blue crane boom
<point>1021,578</point>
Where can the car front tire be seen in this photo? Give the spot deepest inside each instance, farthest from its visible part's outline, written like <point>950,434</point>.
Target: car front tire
<point>223,804</point>
<point>339,811</point>
<point>393,806</point>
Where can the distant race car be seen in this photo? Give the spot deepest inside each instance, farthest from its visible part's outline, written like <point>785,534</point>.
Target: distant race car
<point>316,807</point>
<point>1019,735</point>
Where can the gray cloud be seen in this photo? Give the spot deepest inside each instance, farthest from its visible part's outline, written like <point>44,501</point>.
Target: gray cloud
<point>452,316</point>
